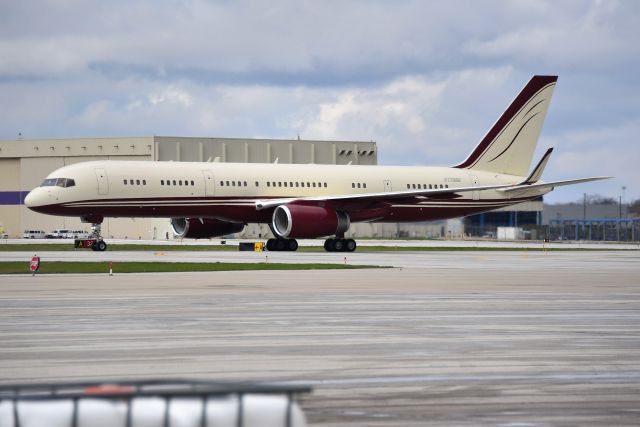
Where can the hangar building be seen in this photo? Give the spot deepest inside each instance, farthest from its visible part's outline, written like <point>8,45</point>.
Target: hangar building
<point>24,163</point>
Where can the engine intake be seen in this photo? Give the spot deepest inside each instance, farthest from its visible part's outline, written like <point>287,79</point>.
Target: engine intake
<point>302,221</point>
<point>202,228</point>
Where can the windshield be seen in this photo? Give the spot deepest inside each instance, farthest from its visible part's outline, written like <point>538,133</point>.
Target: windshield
<point>60,182</point>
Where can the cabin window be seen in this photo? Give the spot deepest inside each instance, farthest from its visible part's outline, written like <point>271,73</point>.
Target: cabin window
<point>419,186</point>
<point>193,183</point>
<point>353,185</point>
<point>308,184</point>
<point>325,185</point>
<point>268,184</point>
<point>297,184</point>
<point>408,186</point>
<point>131,181</point>
<point>279,183</point>
<point>257,185</point>
<point>162,182</point>
<point>446,186</point>
<point>245,183</point>
<point>358,185</point>
<point>174,182</point>
<point>285,183</point>
<point>144,182</point>
<point>430,187</point>
<point>125,182</point>
<point>364,185</point>
<point>314,185</point>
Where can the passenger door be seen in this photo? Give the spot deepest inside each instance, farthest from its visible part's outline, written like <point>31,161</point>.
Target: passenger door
<point>103,181</point>
<point>475,194</point>
<point>208,183</point>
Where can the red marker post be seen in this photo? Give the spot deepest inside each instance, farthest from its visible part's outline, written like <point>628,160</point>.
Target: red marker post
<point>34,265</point>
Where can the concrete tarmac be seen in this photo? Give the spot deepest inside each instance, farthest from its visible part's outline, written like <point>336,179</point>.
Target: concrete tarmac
<point>449,338</point>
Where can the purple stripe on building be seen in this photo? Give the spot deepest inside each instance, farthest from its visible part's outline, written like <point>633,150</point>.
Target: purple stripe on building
<point>12,197</point>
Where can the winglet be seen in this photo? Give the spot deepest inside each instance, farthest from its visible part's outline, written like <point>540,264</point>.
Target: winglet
<point>536,174</point>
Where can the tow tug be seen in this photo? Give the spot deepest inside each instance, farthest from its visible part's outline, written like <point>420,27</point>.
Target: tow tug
<point>93,242</point>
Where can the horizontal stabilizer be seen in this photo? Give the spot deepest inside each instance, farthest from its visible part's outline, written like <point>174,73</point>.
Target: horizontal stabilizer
<point>528,190</point>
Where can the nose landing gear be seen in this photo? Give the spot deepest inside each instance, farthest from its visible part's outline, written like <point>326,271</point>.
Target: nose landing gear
<point>98,244</point>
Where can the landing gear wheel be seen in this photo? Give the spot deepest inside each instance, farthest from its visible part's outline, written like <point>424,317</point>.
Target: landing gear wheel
<point>99,246</point>
<point>350,245</point>
<point>292,245</point>
<point>340,245</point>
<point>280,245</point>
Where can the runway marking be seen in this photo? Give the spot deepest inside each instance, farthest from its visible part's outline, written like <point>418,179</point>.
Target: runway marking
<point>630,376</point>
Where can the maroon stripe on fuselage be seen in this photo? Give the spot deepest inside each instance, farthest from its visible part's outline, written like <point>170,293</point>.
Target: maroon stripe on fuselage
<point>403,211</point>
<point>535,85</point>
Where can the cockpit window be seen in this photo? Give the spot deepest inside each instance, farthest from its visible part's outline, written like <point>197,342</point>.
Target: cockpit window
<point>60,182</point>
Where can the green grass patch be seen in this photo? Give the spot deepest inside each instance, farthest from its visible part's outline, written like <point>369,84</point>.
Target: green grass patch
<point>16,267</point>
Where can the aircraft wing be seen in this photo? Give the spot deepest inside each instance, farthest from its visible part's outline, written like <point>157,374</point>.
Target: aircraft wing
<point>509,190</point>
<point>444,193</point>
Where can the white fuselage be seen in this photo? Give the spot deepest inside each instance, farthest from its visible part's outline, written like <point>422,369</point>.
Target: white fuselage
<point>230,191</point>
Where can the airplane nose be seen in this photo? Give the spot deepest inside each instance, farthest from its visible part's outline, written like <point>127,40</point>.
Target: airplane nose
<point>34,199</point>
<point>29,200</point>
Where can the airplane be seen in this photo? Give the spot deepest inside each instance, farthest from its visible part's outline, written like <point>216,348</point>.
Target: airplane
<point>213,199</point>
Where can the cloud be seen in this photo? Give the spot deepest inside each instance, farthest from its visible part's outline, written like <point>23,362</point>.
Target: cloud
<point>593,32</point>
<point>424,79</point>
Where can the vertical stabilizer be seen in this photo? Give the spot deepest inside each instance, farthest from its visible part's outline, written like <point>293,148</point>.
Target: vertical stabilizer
<point>509,145</point>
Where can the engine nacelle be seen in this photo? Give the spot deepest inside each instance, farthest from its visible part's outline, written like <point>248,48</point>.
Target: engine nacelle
<point>202,228</point>
<point>302,221</point>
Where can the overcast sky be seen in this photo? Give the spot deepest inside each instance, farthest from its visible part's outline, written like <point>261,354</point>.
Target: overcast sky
<point>424,79</point>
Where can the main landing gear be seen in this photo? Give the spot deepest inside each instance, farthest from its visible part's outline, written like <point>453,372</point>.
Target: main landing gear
<point>330,245</point>
<point>340,245</point>
<point>281,244</point>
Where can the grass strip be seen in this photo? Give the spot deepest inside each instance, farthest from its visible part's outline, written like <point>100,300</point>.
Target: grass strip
<point>50,267</point>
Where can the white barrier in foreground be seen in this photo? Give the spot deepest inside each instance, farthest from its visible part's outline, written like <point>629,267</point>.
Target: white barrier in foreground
<point>159,408</point>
